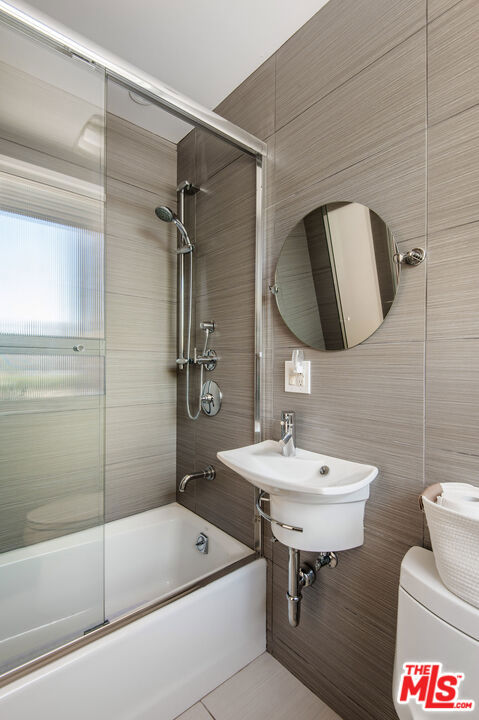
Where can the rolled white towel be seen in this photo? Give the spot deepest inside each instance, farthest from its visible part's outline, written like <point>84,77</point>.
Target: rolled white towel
<point>462,498</point>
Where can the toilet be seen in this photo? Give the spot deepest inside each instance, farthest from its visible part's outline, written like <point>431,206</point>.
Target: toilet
<point>434,626</point>
<point>63,516</point>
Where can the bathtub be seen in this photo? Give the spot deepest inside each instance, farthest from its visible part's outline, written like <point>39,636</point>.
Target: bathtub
<point>154,667</point>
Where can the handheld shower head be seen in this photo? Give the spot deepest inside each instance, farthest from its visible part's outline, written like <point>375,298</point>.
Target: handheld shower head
<point>164,213</point>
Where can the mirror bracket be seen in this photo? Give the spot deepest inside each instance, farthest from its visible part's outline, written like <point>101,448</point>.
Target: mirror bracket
<point>413,257</point>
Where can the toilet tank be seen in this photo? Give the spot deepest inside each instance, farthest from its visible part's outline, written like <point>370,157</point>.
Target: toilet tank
<point>435,626</point>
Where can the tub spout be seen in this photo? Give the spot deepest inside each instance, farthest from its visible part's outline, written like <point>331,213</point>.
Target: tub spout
<point>209,473</point>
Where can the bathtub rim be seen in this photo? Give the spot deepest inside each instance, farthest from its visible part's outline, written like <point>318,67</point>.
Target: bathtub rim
<point>120,622</point>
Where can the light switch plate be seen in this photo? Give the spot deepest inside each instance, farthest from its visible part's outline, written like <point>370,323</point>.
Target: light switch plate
<point>291,379</point>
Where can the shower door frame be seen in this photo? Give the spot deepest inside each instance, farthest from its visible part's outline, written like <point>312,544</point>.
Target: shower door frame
<point>184,108</point>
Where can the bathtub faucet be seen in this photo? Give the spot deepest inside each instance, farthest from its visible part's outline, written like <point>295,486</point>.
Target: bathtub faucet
<point>209,473</point>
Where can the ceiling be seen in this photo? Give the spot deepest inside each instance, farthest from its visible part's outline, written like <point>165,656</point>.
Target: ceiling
<point>201,48</point>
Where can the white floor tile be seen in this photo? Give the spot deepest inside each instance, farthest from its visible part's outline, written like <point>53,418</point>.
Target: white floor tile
<point>197,712</point>
<point>263,690</point>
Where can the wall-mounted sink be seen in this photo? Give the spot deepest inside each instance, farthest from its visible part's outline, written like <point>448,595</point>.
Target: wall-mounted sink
<point>320,498</point>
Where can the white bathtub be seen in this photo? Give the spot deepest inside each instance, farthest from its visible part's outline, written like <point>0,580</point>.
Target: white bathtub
<point>156,666</point>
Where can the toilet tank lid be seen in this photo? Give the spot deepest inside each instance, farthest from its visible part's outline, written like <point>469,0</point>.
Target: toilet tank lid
<point>419,578</point>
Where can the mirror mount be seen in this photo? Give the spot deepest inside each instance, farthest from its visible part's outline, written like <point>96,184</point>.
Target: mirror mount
<point>413,257</point>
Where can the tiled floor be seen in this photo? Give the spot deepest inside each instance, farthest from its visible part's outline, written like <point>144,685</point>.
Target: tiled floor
<point>264,689</point>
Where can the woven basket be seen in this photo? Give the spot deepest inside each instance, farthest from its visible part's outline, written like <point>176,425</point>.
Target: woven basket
<point>455,542</point>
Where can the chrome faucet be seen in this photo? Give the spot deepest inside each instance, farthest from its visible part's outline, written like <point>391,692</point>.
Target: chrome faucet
<point>209,473</point>
<point>288,433</point>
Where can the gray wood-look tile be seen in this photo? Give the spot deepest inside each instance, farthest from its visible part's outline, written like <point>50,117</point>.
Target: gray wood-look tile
<point>32,157</point>
<point>252,104</point>
<point>130,213</point>
<point>212,155</point>
<point>227,201</point>
<point>53,119</point>
<point>138,323</point>
<point>137,431</point>
<point>452,420</point>
<point>197,712</point>
<point>392,183</point>
<point>265,689</point>
<point>46,457</point>
<point>453,171</point>
<point>186,158</point>
<point>139,378</point>
<point>437,7</point>
<point>406,318</point>
<point>233,315</point>
<point>453,288</point>
<point>136,267</point>
<point>453,62</point>
<point>335,45</point>
<point>139,157</point>
<point>344,639</point>
<point>361,118</point>
<point>140,484</point>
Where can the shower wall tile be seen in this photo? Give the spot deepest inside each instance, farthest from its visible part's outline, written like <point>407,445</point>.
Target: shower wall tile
<point>140,378</point>
<point>361,118</point>
<point>130,214</point>
<point>137,485</point>
<point>252,104</point>
<point>186,158</point>
<point>140,321</point>
<point>334,46</point>
<point>453,171</point>
<point>138,157</point>
<point>392,183</point>
<point>451,411</point>
<point>453,71</point>
<point>47,457</point>
<point>140,431</point>
<point>437,7</point>
<point>137,267</point>
<point>351,125</point>
<point>452,284</point>
<point>224,281</point>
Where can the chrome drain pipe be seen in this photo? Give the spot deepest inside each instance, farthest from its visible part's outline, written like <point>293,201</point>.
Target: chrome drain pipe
<point>293,595</point>
<point>300,576</point>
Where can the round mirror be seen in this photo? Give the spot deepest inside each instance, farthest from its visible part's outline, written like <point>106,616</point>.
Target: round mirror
<point>337,276</point>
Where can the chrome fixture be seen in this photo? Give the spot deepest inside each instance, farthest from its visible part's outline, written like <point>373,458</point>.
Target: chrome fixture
<point>202,543</point>
<point>209,473</point>
<point>412,257</point>
<point>208,358</point>
<point>262,498</point>
<point>288,433</point>
<point>167,215</point>
<point>211,398</point>
<point>302,576</point>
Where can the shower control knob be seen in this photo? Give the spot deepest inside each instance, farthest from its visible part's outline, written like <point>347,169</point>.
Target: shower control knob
<point>208,360</point>
<point>79,348</point>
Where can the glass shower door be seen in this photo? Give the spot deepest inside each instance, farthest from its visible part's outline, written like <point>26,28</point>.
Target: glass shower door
<point>51,348</point>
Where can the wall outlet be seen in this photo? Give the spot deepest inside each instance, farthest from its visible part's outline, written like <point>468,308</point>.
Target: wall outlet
<point>295,382</point>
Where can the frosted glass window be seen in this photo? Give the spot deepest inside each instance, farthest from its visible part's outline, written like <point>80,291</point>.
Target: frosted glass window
<point>31,377</point>
<point>51,278</point>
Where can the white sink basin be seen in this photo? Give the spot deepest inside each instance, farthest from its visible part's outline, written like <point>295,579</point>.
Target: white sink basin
<point>324,496</point>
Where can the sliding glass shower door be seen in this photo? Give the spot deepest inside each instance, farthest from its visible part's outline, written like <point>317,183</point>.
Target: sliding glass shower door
<point>51,348</point>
